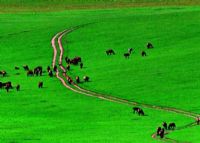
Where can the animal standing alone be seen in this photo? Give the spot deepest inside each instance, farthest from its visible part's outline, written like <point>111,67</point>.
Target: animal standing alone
<point>110,52</point>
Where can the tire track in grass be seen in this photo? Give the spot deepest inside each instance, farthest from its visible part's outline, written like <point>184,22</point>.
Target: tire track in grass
<point>75,88</point>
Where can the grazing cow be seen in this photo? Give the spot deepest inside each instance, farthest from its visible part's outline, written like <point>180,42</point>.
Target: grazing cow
<point>149,45</point>
<point>86,78</point>
<point>81,65</point>
<point>171,126</point>
<point>50,73</point>
<point>110,52</point>
<point>18,87</point>
<point>165,125</point>
<point>30,73</point>
<point>126,55</point>
<point>68,67</point>
<point>48,68</point>
<point>77,79</point>
<point>26,68</point>
<point>16,68</point>
<point>40,84</point>
<point>55,68</point>
<point>143,54</point>
<point>130,50</point>
<point>158,131</point>
<point>3,73</point>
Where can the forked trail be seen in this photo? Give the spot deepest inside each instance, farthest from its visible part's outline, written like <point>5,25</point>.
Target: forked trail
<point>57,39</point>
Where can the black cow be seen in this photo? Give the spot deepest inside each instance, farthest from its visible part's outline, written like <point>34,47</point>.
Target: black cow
<point>26,68</point>
<point>86,78</point>
<point>18,87</point>
<point>144,54</point>
<point>149,45</point>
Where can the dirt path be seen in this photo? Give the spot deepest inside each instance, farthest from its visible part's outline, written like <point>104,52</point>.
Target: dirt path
<point>74,87</point>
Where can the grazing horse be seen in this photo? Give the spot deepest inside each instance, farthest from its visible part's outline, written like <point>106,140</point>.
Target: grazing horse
<point>38,70</point>
<point>149,45</point>
<point>16,68</point>
<point>158,131</point>
<point>68,67</point>
<point>48,68</point>
<point>3,73</point>
<point>140,112</point>
<point>127,55</point>
<point>110,52</point>
<point>81,65</point>
<point>55,68</point>
<point>171,126</point>
<point>18,87</point>
<point>143,54</point>
<point>30,73</point>
<point>165,125</point>
<point>86,78</point>
<point>162,133</point>
<point>40,84</point>
<point>130,50</point>
<point>50,73</point>
<point>75,60</point>
<point>77,79</point>
<point>135,109</point>
<point>26,68</point>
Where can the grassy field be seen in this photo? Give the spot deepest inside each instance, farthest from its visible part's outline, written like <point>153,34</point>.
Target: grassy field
<point>168,76</point>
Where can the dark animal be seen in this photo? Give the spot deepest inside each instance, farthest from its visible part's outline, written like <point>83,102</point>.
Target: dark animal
<point>130,50</point>
<point>135,109</point>
<point>143,54</point>
<point>126,55</point>
<point>110,52</point>
<point>68,67</point>
<point>149,45</point>
<point>162,133</point>
<point>40,85</point>
<point>18,87</point>
<point>140,112</point>
<point>26,68</point>
<point>48,68</point>
<point>75,60</point>
<point>55,68</point>
<point>50,73</point>
<point>69,80</point>
<point>81,65</point>
<point>198,120</point>
<point>171,126</point>
<point>30,73</point>
<point>8,84</point>
<point>38,70</point>
<point>165,125</point>
<point>158,131</point>
<point>16,68</point>
<point>3,73</point>
<point>77,79</point>
<point>86,78</point>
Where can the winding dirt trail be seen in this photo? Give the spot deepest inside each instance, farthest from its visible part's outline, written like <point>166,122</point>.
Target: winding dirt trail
<point>75,88</point>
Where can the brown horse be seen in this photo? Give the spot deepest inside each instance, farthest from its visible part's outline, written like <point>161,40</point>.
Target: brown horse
<point>40,84</point>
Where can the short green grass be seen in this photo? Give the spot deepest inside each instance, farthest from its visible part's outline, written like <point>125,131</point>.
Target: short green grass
<point>55,114</point>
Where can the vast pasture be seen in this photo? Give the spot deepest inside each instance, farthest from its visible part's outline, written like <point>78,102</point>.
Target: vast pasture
<point>167,77</point>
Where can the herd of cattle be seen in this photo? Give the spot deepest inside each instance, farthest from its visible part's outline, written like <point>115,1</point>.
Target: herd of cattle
<point>130,50</point>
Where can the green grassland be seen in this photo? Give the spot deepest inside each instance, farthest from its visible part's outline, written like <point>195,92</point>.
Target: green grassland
<point>168,76</point>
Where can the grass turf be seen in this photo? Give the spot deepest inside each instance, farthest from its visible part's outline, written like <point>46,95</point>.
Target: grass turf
<point>55,114</point>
